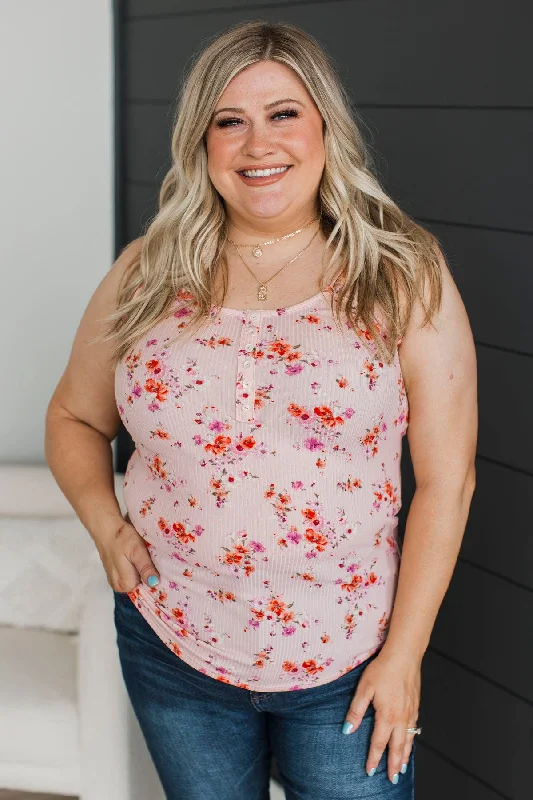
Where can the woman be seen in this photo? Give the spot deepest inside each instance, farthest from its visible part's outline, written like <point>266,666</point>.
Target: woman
<point>266,340</point>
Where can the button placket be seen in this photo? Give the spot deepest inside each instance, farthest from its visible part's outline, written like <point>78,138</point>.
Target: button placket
<point>245,387</point>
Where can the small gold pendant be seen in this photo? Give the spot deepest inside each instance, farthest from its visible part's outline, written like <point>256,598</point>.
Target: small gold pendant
<point>262,292</point>
<point>257,252</point>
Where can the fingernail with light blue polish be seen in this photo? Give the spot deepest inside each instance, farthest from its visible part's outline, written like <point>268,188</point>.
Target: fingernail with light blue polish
<point>403,769</point>
<point>153,580</point>
<point>395,778</point>
<point>371,772</point>
<point>347,727</point>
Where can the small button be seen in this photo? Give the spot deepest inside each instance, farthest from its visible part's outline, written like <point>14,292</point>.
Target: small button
<point>247,363</point>
<point>249,347</point>
<point>254,316</point>
<point>245,384</point>
<point>246,406</point>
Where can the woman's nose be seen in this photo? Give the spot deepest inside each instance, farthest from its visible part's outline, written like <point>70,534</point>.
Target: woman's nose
<point>258,141</point>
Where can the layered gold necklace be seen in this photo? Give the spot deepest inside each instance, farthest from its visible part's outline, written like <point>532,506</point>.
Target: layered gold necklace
<point>262,292</point>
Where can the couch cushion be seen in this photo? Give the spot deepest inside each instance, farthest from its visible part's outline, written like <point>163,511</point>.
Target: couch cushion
<point>38,698</point>
<point>46,566</point>
<point>30,490</point>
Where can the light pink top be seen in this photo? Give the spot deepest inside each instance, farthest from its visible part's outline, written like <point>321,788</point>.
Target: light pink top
<point>266,484</point>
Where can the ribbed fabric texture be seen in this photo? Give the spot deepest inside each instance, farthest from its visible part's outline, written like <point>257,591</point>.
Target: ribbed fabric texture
<point>266,484</point>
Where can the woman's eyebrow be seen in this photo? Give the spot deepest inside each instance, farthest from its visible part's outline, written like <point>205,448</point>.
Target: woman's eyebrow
<point>269,105</point>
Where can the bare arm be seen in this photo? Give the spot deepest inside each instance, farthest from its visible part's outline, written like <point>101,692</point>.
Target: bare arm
<point>439,368</point>
<point>82,418</point>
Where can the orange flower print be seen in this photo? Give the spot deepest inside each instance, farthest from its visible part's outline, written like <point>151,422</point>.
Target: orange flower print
<point>370,441</point>
<point>184,536</point>
<point>350,624</point>
<point>350,484</point>
<point>146,506</point>
<point>308,671</point>
<point>383,625</point>
<point>386,494</point>
<point>219,445</point>
<point>371,372</point>
<point>263,657</point>
<point>242,554</point>
<point>353,585</point>
<point>157,388</point>
<point>159,433</point>
<point>153,366</point>
<point>214,341</point>
<point>327,417</point>
<point>157,468</point>
<point>316,538</point>
<point>289,666</point>
<point>222,596</point>
<point>297,411</point>
<point>281,347</point>
<point>275,612</point>
<point>311,667</point>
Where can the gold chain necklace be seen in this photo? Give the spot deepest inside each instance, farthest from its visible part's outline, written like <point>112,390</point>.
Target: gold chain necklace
<point>257,252</point>
<point>262,285</point>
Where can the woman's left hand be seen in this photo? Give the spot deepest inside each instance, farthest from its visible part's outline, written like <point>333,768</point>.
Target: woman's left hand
<point>392,684</point>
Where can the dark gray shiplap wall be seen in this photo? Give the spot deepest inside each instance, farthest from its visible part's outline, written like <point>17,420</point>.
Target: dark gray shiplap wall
<point>444,90</point>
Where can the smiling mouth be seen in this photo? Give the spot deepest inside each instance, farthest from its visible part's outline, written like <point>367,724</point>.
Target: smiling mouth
<point>263,173</point>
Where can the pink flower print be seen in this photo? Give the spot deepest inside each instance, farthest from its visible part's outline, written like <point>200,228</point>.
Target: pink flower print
<point>217,426</point>
<point>288,631</point>
<point>182,312</point>
<point>313,444</point>
<point>293,536</point>
<point>293,369</point>
<point>137,390</point>
<point>297,484</point>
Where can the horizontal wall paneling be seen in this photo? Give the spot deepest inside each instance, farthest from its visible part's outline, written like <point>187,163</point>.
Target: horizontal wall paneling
<point>426,49</point>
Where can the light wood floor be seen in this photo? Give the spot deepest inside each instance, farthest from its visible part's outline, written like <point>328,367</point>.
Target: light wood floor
<point>6,794</point>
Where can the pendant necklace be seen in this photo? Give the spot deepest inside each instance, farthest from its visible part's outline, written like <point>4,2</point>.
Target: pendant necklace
<point>262,285</point>
<point>256,248</point>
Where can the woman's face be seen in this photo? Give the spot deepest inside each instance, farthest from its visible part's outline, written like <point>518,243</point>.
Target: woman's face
<point>266,118</point>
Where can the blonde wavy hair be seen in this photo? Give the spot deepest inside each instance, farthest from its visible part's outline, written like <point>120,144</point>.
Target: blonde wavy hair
<point>384,256</point>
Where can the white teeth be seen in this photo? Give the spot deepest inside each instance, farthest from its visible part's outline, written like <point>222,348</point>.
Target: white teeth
<point>258,173</point>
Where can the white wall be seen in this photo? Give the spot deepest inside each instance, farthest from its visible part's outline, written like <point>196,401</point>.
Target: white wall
<point>56,198</point>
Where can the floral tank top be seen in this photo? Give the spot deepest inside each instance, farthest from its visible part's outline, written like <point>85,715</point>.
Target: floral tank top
<point>266,485</point>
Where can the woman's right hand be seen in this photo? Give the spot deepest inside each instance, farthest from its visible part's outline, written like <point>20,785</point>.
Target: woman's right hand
<point>126,559</point>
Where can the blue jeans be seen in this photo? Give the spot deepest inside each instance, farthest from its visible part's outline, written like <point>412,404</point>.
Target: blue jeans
<point>214,741</point>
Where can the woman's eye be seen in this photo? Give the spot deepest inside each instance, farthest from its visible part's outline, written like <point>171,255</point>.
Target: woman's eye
<point>289,112</point>
<point>230,122</point>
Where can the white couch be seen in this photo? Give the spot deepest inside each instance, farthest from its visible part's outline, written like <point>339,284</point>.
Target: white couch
<point>66,723</point>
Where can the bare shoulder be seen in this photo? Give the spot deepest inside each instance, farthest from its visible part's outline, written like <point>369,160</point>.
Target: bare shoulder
<point>86,389</point>
<point>439,368</point>
<point>444,343</point>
